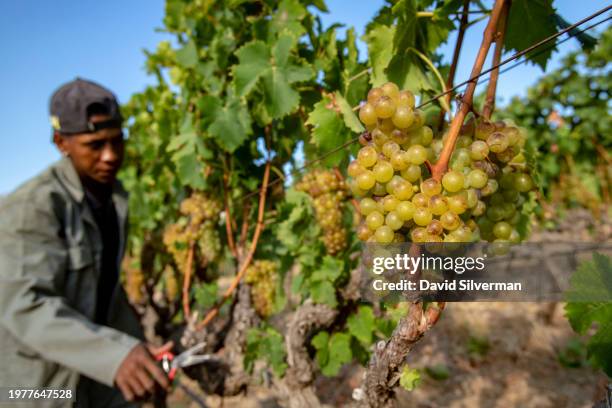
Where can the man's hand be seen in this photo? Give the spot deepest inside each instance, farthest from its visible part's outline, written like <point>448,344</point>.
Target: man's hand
<point>138,373</point>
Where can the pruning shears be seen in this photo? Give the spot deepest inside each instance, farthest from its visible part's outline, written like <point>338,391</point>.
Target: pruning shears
<point>170,363</point>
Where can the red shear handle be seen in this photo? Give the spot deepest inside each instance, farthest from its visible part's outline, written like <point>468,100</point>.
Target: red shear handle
<point>166,363</point>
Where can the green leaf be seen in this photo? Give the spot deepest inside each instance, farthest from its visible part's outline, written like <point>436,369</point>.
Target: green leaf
<point>205,294</point>
<point>362,325</point>
<point>330,270</point>
<point>438,372</point>
<point>592,282</point>
<point>329,130</point>
<point>188,55</point>
<point>350,118</point>
<point>232,126</point>
<point>409,378</point>
<point>332,352</point>
<point>538,16</point>
<point>266,344</point>
<point>407,23</point>
<point>323,292</point>
<point>379,52</point>
<point>254,61</point>
<point>187,150</point>
<point>320,342</point>
<point>406,70</point>
<point>288,17</point>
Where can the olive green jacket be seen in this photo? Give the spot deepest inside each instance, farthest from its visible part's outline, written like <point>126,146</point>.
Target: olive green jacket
<point>50,260</point>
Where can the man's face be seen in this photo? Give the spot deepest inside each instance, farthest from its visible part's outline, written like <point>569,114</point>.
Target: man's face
<point>95,156</point>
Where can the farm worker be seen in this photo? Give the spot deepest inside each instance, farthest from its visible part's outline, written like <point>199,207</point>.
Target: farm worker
<point>65,322</point>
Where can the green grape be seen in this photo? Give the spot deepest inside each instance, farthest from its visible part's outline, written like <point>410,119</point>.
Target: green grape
<point>419,234</point>
<point>366,180</point>
<point>420,200</point>
<point>495,213</point>
<point>450,221</point>
<point>389,148</point>
<point>479,209</point>
<point>453,181</point>
<point>479,150</point>
<point>502,230</point>
<point>507,181</point>
<point>514,237</point>
<point>374,95</point>
<point>390,203</point>
<point>497,199</point>
<point>483,130</point>
<point>498,142</point>
<point>355,169</point>
<point>385,107</point>
<point>384,234</point>
<point>463,234</point>
<point>419,119</point>
<point>390,186</point>
<point>462,155</point>
<point>367,156</point>
<point>367,205</point>
<point>417,154</point>
<point>383,171</point>
<point>364,232</point>
<point>367,114</point>
<point>399,136</point>
<point>405,210</point>
<point>406,98</point>
<point>426,135</point>
<point>438,204</point>
<point>463,142</point>
<point>412,173</point>
<point>477,178</point>
<point>403,117</point>
<point>379,190</point>
<point>403,190</point>
<point>422,216</point>
<point>523,182</point>
<point>458,203</point>
<point>431,187</point>
<point>394,221</point>
<point>386,125</point>
<point>471,198</point>
<point>374,220</point>
<point>399,160</point>
<point>355,190</point>
<point>490,188</point>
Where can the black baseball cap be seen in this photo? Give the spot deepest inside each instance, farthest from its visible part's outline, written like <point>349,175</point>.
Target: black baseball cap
<point>71,105</point>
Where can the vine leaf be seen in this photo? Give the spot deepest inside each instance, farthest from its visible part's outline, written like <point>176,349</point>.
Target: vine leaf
<point>187,150</point>
<point>362,325</point>
<point>378,40</point>
<point>538,15</point>
<point>409,378</point>
<point>350,119</point>
<point>589,302</point>
<point>229,125</point>
<point>332,352</point>
<point>188,55</point>
<point>329,130</point>
<point>274,70</point>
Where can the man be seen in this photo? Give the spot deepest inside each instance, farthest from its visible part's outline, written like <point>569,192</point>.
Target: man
<point>65,322</point>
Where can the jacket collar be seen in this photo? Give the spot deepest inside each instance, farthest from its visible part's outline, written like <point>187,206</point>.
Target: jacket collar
<point>70,179</point>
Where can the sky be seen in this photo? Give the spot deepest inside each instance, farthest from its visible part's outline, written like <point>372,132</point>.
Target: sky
<point>47,43</point>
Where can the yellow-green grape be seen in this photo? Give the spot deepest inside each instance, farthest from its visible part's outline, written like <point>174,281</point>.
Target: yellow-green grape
<point>419,119</point>
<point>419,234</point>
<point>479,208</point>
<point>367,114</point>
<point>385,107</point>
<point>471,198</point>
<point>390,186</point>
<point>384,234</point>
<point>406,98</point>
<point>403,117</point>
<point>367,156</point>
<point>379,137</point>
<point>383,171</point>
<point>477,178</point>
<point>403,190</point>
<point>262,275</point>
<point>463,234</point>
<point>458,203</point>
<point>364,232</point>
<point>170,284</point>
<point>498,142</point>
<point>391,90</point>
<point>386,125</point>
<point>367,205</point>
<point>417,154</point>
<point>438,204</point>
<point>390,203</point>
<point>399,160</point>
<point>389,148</point>
<point>399,136</point>
<point>483,130</point>
<point>394,221</point>
<point>405,210</point>
<point>431,187</point>
<point>366,180</point>
<point>502,230</point>
<point>354,169</point>
<point>412,173</point>
<point>490,188</point>
<point>523,182</point>
<point>422,216</point>
<point>374,220</point>
<point>450,221</point>
<point>479,150</point>
<point>420,200</point>
<point>453,181</point>
<point>379,190</point>
<point>435,228</point>
<point>374,95</point>
<point>426,135</point>
<point>134,281</point>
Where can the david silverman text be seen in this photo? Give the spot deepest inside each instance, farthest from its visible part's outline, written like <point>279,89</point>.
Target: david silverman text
<point>463,284</point>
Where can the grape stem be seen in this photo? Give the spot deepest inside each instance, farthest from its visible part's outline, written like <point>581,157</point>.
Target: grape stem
<point>443,102</point>
<point>187,281</point>
<point>441,165</point>
<point>499,47</point>
<point>212,313</point>
<point>453,67</point>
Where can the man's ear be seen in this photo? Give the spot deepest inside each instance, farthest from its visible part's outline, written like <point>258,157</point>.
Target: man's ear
<point>61,143</point>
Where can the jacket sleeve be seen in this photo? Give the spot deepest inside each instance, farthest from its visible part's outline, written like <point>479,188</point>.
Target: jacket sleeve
<point>33,265</point>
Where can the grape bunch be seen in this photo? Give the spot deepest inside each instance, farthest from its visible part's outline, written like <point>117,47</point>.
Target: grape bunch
<point>480,197</point>
<point>197,224</point>
<point>262,275</point>
<point>171,285</point>
<point>134,281</point>
<point>328,192</point>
